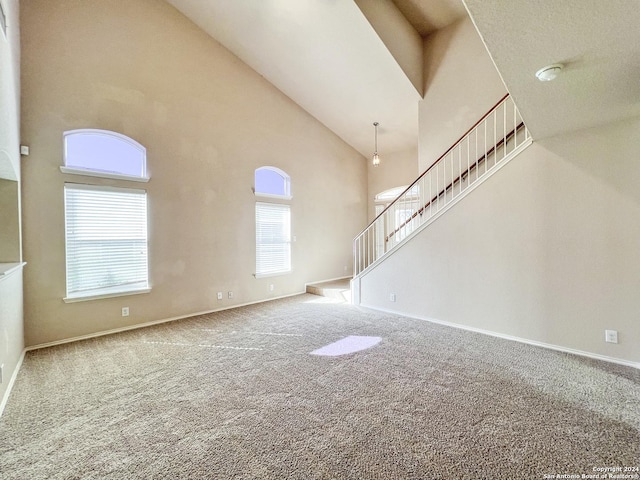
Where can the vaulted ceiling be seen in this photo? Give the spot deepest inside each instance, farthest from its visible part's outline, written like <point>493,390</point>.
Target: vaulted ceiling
<point>328,58</point>
<point>352,62</point>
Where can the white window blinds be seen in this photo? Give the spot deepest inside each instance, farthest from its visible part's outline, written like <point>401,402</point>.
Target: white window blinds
<point>106,240</point>
<point>273,239</point>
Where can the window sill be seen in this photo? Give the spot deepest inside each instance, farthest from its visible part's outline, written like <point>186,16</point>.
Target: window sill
<point>271,274</point>
<point>105,294</point>
<point>96,173</point>
<point>274,197</point>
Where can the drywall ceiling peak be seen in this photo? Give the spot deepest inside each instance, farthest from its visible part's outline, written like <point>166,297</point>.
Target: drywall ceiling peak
<point>427,16</point>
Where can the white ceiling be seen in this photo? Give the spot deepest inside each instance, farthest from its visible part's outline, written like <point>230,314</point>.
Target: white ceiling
<point>327,57</point>
<point>598,41</point>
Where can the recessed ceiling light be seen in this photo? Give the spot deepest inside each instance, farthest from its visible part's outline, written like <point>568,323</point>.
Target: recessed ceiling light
<point>548,73</point>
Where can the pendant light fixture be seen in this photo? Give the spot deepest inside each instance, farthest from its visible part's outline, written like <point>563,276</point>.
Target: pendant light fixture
<point>376,157</point>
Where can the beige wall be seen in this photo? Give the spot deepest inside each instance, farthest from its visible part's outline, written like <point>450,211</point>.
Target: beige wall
<point>461,85</point>
<point>9,221</point>
<point>545,250</point>
<point>11,318</point>
<point>395,169</point>
<point>208,121</point>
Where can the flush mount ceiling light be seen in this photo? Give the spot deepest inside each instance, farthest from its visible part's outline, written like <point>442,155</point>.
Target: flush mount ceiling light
<point>376,158</point>
<point>548,73</point>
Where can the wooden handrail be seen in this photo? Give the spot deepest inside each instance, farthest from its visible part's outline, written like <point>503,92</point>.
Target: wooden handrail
<point>436,162</point>
<point>477,163</point>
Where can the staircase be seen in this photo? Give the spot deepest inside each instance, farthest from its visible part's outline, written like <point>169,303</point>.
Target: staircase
<point>488,145</point>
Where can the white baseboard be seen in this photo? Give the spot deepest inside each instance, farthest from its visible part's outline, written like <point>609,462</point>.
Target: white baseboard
<point>12,380</point>
<point>536,343</point>
<point>150,324</point>
<point>5,397</point>
<point>166,320</point>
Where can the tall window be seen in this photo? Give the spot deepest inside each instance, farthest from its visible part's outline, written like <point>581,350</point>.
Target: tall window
<point>106,238</point>
<point>105,227</point>
<point>273,222</point>
<point>397,215</point>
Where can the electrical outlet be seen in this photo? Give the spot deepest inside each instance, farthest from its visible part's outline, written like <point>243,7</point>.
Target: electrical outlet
<point>271,287</point>
<point>219,295</point>
<point>611,336</point>
<point>1,373</point>
<point>125,311</point>
<point>230,295</point>
<point>392,297</point>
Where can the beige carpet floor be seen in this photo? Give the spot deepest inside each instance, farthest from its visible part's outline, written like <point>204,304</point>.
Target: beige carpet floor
<point>236,394</point>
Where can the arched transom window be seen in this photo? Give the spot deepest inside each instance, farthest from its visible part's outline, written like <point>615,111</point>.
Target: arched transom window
<point>272,182</point>
<point>104,153</point>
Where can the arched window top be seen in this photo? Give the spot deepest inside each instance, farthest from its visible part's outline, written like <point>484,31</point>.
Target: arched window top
<point>272,182</point>
<point>102,153</point>
<point>391,194</point>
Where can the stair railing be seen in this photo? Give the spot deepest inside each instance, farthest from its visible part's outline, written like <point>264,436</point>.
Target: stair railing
<point>493,140</point>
